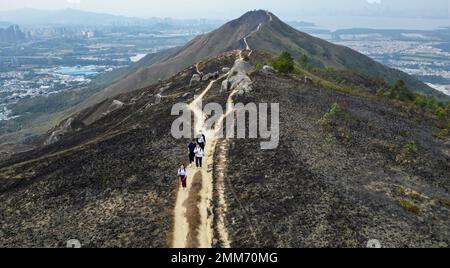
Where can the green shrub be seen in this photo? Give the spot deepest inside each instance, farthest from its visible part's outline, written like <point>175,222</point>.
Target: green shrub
<point>407,151</point>
<point>326,119</point>
<point>410,147</point>
<point>400,91</point>
<point>409,206</point>
<point>442,134</point>
<point>304,61</point>
<point>284,63</point>
<point>445,201</point>
<point>400,190</point>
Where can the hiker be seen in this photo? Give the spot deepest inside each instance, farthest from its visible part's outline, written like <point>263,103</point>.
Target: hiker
<point>182,173</point>
<point>201,140</point>
<point>199,153</point>
<point>192,147</point>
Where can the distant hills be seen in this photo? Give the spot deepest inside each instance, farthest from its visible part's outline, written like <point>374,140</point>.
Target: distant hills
<point>69,16</point>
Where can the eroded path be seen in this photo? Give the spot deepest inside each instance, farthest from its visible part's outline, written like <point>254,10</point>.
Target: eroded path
<point>194,212</point>
<point>193,222</point>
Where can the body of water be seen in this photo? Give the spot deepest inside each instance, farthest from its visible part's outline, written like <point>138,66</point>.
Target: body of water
<point>335,23</point>
<point>78,71</point>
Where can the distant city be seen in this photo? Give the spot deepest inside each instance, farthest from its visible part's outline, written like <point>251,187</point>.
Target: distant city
<point>45,61</point>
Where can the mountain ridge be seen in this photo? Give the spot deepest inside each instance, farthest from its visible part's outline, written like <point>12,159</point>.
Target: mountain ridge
<point>231,36</point>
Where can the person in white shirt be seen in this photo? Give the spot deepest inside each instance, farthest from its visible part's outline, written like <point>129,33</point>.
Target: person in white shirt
<point>199,153</point>
<point>182,173</point>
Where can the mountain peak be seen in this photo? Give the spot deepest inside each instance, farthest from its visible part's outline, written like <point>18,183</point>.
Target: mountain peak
<point>256,17</point>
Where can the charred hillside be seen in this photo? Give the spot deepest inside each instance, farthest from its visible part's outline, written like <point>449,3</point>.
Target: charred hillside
<point>352,164</point>
<point>109,184</point>
<point>341,176</point>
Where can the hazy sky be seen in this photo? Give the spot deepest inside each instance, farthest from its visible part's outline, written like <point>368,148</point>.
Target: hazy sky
<point>288,9</point>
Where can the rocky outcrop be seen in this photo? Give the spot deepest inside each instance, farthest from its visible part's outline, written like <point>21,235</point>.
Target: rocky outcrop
<point>81,120</point>
<point>210,76</point>
<point>307,80</point>
<point>115,105</point>
<point>225,85</point>
<point>195,80</point>
<point>69,125</point>
<point>238,78</point>
<point>269,69</point>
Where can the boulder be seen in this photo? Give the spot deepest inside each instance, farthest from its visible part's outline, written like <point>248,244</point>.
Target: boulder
<point>225,85</point>
<point>247,88</point>
<point>195,80</point>
<point>225,69</point>
<point>65,127</point>
<point>307,80</point>
<point>210,76</point>
<point>238,78</point>
<point>158,98</point>
<point>269,69</point>
<point>115,105</point>
<point>206,77</point>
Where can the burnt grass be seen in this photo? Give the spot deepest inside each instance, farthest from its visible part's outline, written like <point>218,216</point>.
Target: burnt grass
<point>332,184</point>
<point>113,183</point>
<point>110,184</point>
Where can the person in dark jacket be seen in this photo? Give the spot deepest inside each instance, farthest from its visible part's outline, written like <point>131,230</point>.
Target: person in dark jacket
<point>191,147</point>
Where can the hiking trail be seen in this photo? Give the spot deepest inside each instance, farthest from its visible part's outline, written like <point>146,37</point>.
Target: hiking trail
<point>194,212</point>
<point>184,211</point>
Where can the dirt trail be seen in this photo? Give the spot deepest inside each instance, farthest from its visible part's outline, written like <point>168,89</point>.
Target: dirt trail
<point>186,215</point>
<point>181,237</point>
<point>270,16</point>
<point>247,46</point>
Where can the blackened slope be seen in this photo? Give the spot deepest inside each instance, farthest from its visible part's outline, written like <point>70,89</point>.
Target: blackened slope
<point>338,183</point>
<point>108,184</point>
<point>277,36</point>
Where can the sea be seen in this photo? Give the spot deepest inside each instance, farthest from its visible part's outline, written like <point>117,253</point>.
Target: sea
<point>336,22</point>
